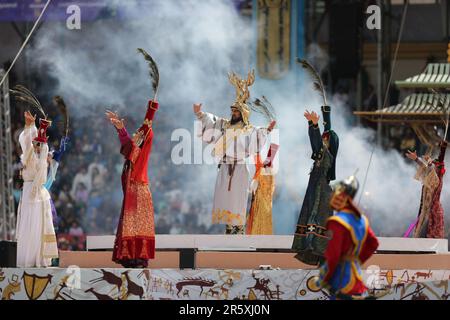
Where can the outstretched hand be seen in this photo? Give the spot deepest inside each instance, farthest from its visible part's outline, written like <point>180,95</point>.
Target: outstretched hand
<point>307,115</point>
<point>314,117</point>
<point>115,120</point>
<point>29,118</point>
<point>112,115</point>
<point>197,107</point>
<point>411,155</point>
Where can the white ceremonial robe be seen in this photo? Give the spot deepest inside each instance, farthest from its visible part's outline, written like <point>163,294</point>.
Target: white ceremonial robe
<point>36,239</point>
<point>233,144</point>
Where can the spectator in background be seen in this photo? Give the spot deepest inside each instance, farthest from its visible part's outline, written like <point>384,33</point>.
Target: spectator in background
<point>64,194</point>
<point>97,173</point>
<point>176,228</point>
<point>81,177</point>
<point>81,194</point>
<point>162,227</point>
<point>76,230</point>
<point>87,147</point>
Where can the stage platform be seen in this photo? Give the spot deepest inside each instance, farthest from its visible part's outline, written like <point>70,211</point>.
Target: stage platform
<point>265,243</point>
<point>250,260</point>
<point>227,268</point>
<point>251,252</point>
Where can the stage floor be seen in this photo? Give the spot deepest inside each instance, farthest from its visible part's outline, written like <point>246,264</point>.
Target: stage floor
<point>250,252</point>
<point>264,242</point>
<point>251,260</point>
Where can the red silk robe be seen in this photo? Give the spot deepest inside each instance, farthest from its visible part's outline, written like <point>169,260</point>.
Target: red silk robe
<point>135,238</point>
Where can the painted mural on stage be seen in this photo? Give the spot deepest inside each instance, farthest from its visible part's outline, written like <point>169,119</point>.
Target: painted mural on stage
<point>171,284</point>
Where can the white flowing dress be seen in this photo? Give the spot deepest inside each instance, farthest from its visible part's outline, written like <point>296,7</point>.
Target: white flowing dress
<point>36,239</point>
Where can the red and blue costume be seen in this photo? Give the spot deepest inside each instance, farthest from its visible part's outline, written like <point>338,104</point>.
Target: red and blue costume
<point>352,243</point>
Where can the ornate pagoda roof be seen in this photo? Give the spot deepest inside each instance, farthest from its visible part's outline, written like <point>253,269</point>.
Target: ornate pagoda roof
<point>417,107</point>
<point>436,75</point>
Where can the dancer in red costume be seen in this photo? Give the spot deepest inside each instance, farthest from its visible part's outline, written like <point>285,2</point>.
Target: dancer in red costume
<point>135,238</point>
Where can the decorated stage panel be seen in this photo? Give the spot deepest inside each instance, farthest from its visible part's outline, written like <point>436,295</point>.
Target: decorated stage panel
<point>171,284</point>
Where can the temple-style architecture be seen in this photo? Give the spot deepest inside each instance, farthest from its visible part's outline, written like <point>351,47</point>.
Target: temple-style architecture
<point>424,110</point>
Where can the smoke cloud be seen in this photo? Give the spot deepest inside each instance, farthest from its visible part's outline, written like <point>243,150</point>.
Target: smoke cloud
<point>196,43</point>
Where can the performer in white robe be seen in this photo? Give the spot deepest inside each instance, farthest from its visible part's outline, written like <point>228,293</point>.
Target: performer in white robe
<point>234,141</point>
<point>36,240</point>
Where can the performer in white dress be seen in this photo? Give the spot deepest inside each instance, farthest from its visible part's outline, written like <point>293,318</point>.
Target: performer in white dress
<point>36,240</point>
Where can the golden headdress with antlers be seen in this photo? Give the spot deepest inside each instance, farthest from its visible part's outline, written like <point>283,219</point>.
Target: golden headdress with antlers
<point>242,93</point>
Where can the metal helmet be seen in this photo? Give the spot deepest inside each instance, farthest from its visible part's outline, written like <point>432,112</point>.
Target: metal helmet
<point>348,186</point>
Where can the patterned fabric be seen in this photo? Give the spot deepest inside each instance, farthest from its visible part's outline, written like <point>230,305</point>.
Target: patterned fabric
<point>259,220</point>
<point>431,214</point>
<point>225,216</point>
<point>136,240</point>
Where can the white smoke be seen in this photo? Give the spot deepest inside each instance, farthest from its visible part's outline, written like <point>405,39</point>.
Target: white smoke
<point>196,43</point>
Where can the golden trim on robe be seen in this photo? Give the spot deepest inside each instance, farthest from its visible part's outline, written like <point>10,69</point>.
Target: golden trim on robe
<point>227,217</point>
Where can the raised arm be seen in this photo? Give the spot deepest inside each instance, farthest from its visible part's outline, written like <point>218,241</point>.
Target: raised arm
<point>440,163</point>
<point>315,138</point>
<point>258,138</point>
<point>142,141</point>
<point>412,155</point>
<point>124,137</point>
<point>26,137</point>
<point>211,124</point>
<point>443,148</point>
<point>126,144</point>
<point>118,123</point>
<point>28,133</point>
